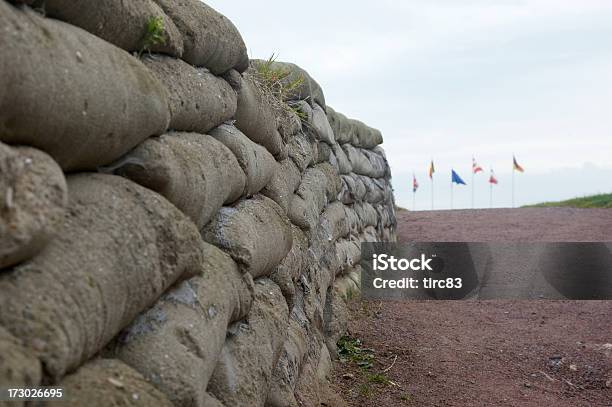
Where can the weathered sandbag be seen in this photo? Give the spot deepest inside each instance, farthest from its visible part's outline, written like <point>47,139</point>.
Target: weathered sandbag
<point>209,38</point>
<point>78,98</point>
<point>320,125</point>
<point>352,219</point>
<point>364,162</point>
<point>199,101</point>
<point>335,316</point>
<point>366,213</point>
<point>244,371</point>
<point>353,189</point>
<point>18,367</point>
<point>287,369</point>
<point>344,165</point>
<point>119,248</point>
<point>376,189</point>
<point>333,222</point>
<point>176,344</point>
<point>378,162</point>
<point>33,198</point>
<point>324,150</point>
<point>333,184</point>
<point>255,233</point>
<point>300,149</point>
<point>256,118</point>
<point>309,199</point>
<point>287,273</point>
<point>365,136</point>
<point>136,25</point>
<point>346,287</point>
<point>308,89</point>
<point>257,163</point>
<point>289,123</point>
<point>340,125</point>
<point>284,182</point>
<point>195,172</point>
<point>348,253</point>
<point>108,382</point>
<point>369,235</point>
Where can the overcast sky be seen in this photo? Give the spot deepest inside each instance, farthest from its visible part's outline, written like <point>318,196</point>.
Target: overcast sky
<point>451,78</point>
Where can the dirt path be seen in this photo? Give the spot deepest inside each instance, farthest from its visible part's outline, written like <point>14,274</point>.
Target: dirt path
<point>486,353</point>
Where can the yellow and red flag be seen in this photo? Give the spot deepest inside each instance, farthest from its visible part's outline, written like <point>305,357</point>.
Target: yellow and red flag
<point>431,169</point>
<point>516,166</point>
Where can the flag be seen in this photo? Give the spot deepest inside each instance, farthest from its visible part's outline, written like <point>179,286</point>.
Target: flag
<point>516,166</point>
<point>431,170</point>
<point>415,184</point>
<point>475,167</point>
<point>492,179</point>
<point>456,178</point>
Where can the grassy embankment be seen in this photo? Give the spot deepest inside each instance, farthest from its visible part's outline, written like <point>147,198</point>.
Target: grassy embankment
<point>594,201</point>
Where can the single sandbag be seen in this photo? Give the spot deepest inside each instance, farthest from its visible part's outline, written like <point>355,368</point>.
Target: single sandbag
<point>341,126</point>
<point>344,165</point>
<point>78,98</point>
<point>135,25</point>
<point>244,371</point>
<point>255,233</point>
<point>256,118</point>
<point>287,273</point>
<point>334,184</point>
<point>335,316</point>
<point>309,199</point>
<point>300,149</point>
<point>284,182</point>
<point>108,382</point>
<point>194,171</point>
<point>333,222</point>
<point>176,344</point>
<point>199,100</point>
<point>348,253</point>
<point>33,197</point>
<point>209,38</point>
<point>257,163</point>
<point>321,127</point>
<point>119,248</point>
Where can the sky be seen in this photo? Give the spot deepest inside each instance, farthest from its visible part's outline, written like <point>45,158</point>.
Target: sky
<point>452,79</point>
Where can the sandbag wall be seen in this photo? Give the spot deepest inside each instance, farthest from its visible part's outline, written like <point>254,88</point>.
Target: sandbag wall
<point>171,233</point>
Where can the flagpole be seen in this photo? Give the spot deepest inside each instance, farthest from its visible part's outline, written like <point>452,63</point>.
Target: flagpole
<point>451,205</point>
<point>491,195</point>
<point>472,186</point>
<point>432,193</point>
<point>513,185</point>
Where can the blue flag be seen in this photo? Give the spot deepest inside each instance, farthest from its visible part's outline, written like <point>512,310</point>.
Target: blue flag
<point>456,178</point>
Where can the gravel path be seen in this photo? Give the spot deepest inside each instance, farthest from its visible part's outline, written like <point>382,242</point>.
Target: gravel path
<point>487,353</point>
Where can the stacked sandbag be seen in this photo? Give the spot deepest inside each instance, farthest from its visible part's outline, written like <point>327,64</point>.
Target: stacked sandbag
<point>209,38</point>
<point>198,100</point>
<point>33,197</point>
<point>207,261</point>
<point>119,247</point>
<point>255,233</point>
<point>244,371</point>
<point>176,344</point>
<point>80,99</point>
<point>136,25</point>
<point>195,172</point>
<point>108,382</point>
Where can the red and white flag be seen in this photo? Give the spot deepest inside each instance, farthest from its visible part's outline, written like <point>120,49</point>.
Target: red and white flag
<point>415,184</point>
<point>475,167</point>
<point>492,179</point>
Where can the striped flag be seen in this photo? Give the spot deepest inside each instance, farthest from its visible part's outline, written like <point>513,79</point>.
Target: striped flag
<point>415,184</point>
<point>492,179</point>
<point>475,167</point>
<point>431,169</point>
<point>516,166</point>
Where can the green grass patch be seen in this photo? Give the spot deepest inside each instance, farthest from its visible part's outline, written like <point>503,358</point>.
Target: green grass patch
<point>155,34</point>
<point>350,350</point>
<point>593,201</point>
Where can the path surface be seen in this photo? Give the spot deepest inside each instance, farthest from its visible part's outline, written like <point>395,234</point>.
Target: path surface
<point>487,353</point>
